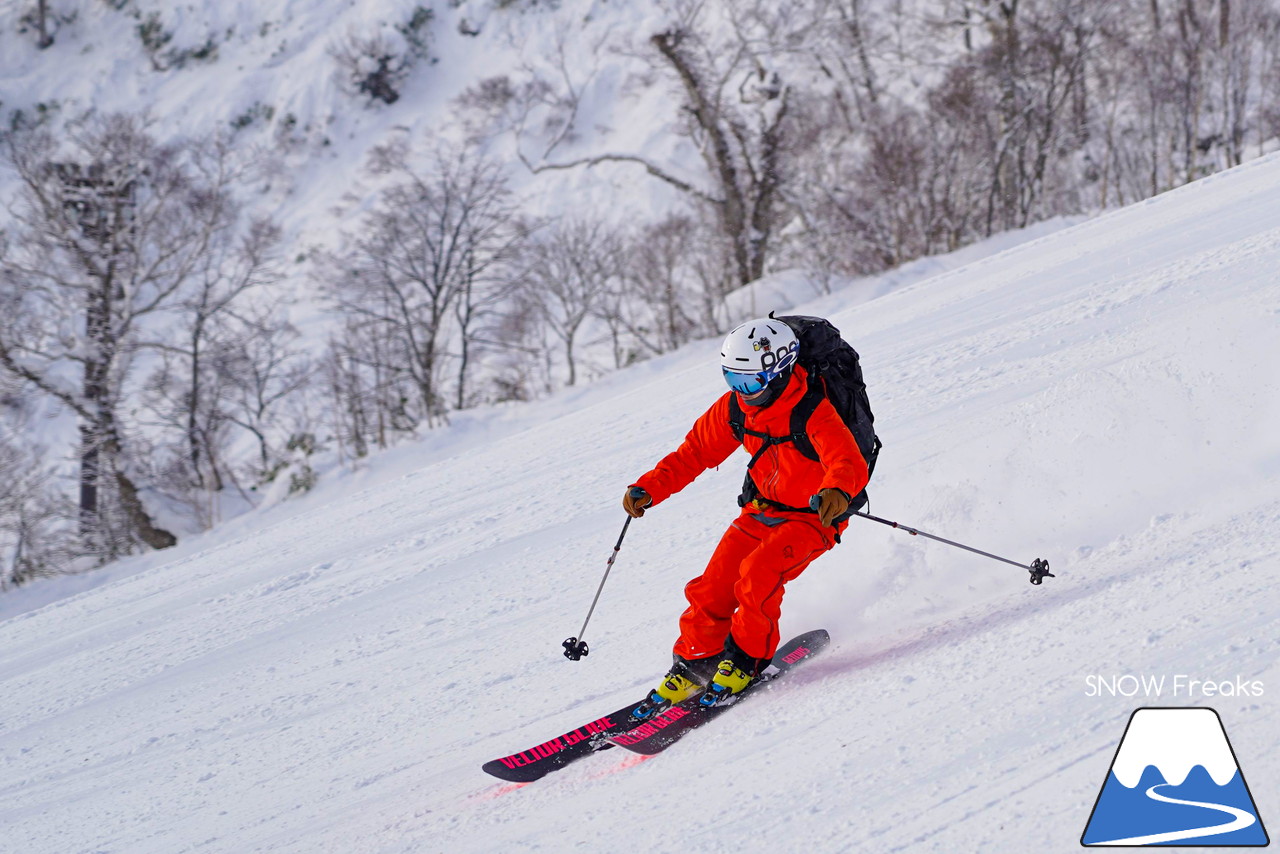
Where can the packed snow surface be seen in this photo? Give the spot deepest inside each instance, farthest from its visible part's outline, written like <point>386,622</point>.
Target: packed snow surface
<point>329,675</point>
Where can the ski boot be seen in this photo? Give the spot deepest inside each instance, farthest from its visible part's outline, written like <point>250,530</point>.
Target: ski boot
<point>735,672</point>
<point>685,679</point>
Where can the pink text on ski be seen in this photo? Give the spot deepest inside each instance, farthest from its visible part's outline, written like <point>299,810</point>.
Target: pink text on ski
<point>555,745</point>
<point>793,657</point>
<point>640,733</point>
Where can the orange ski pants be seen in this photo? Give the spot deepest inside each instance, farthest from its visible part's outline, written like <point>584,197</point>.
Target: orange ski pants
<point>740,591</point>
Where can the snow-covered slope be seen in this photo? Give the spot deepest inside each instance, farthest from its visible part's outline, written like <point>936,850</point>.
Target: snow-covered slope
<point>268,73</point>
<point>331,680</point>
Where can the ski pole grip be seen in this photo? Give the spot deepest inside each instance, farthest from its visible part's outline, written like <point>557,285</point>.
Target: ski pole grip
<point>637,501</point>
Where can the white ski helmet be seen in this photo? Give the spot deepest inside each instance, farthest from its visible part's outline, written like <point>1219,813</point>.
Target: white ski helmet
<point>756,353</point>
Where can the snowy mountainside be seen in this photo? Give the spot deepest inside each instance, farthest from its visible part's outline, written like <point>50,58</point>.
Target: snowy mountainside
<point>272,77</point>
<point>331,678</point>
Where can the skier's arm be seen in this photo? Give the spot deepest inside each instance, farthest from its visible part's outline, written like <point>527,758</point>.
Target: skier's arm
<point>708,444</point>
<point>846,470</point>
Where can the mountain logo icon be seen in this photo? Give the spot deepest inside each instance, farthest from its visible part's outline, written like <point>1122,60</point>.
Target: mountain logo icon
<point>1175,782</point>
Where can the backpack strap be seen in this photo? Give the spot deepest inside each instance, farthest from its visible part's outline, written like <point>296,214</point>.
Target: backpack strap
<point>803,412</point>
<point>737,418</point>
<point>738,423</point>
<point>800,416</point>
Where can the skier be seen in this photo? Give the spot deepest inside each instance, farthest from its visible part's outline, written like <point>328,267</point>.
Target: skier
<point>729,632</point>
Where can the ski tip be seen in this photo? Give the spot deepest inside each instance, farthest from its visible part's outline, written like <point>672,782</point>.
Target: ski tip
<point>817,637</point>
<point>516,774</point>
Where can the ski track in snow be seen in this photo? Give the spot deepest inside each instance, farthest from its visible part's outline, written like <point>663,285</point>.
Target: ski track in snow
<point>332,680</point>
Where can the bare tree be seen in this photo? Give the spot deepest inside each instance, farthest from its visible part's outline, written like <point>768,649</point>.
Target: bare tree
<point>1036,62</point>
<point>479,312</point>
<point>266,369</point>
<point>110,226</point>
<point>371,393</point>
<point>42,25</point>
<point>567,276</point>
<point>1176,85</point>
<point>735,103</point>
<point>742,153</point>
<point>430,242</point>
<point>37,526</point>
<point>843,51</point>
<point>34,521</point>
<point>345,383</point>
<point>204,350</point>
<point>662,301</point>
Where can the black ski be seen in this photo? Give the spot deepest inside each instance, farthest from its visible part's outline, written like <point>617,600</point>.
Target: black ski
<point>536,762</point>
<point>662,731</point>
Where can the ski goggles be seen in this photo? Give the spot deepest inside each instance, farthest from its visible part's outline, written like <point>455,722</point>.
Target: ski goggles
<point>747,382</point>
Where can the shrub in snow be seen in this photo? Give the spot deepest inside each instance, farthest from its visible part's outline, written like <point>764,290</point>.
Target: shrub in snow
<point>377,64</point>
<point>154,37</point>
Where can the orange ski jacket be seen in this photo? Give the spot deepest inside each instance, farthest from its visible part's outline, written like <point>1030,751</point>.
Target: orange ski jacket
<point>782,474</point>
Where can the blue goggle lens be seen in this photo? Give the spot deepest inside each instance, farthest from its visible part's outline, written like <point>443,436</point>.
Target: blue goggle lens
<point>745,383</point>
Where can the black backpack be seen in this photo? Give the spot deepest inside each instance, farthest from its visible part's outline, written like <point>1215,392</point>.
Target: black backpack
<point>834,373</point>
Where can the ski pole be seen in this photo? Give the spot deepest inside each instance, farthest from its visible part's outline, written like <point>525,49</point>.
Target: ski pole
<point>574,649</point>
<point>1039,568</point>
